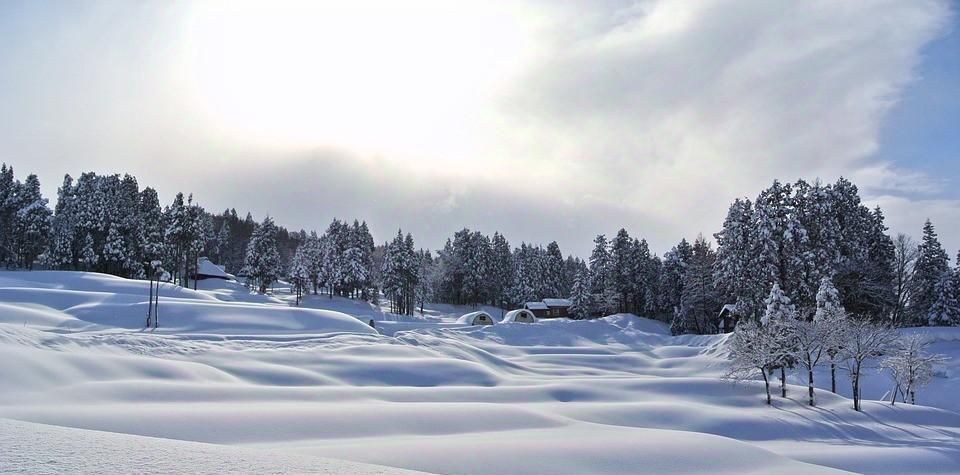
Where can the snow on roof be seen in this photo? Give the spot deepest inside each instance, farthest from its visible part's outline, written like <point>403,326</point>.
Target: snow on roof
<point>730,307</point>
<point>535,306</point>
<point>468,319</point>
<point>518,316</point>
<point>205,267</point>
<point>558,302</point>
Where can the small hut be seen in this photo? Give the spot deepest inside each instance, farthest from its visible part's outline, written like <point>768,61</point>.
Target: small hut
<point>520,315</point>
<point>476,318</point>
<point>728,318</point>
<point>538,309</point>
<point>558,308</point>
<point>208,270</point>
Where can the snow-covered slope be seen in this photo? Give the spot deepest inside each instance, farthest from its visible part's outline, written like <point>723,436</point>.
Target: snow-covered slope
<point>88,301</point>
<point>615,395</point>
<point>42,449</point>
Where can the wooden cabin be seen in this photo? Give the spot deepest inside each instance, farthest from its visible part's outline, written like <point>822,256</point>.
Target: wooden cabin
<point>558,308</point>
<point>538,309</point>
<point>727,319</point>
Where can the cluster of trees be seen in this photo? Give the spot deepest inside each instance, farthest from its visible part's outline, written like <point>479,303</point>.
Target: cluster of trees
<point>790,235</point>
<point>784,339</point>
<point>24,219</point>
<point>796,235</point>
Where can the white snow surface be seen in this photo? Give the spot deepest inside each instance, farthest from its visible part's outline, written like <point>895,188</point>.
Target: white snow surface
<point>282,387</point>
<point>44,449</point>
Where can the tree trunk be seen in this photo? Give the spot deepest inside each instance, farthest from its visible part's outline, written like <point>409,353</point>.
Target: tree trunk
<point>783,382</point>
<point>856,390</point>
<point>156,308</point>
<point>766,384</point>
<point>833,377</point>
<point>150,303</point>
<point>810,385</point>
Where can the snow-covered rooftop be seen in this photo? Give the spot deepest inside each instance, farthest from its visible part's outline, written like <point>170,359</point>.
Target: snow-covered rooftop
<point>535,305</point>
<point>519,315</point>
<point>207,268</point>
<point>470,318</point>
<point>558,302</point>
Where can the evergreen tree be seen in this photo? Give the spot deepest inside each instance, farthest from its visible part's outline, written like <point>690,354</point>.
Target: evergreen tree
<point>779,322</point>
<point>581,296</point>
<point>831,316</point>
<point>945,310</point>
<point>299,274</point>
<point>262,263</point>
<point>932,263</point>
<point>32,223</point>
<point>501,269</point>
<point>599,265</point>
<point>553,271</point>
<point>88,255</point>
<point>699,301</point>
<point>622,270</point>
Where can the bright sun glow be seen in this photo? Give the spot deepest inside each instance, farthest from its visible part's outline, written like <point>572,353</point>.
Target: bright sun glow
<point>410,82</point>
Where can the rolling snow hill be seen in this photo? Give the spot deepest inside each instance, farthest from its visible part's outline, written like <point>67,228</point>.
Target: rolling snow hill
<point>284,385</point>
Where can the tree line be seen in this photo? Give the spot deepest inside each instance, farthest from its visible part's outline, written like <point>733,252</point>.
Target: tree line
<point>791,235</point>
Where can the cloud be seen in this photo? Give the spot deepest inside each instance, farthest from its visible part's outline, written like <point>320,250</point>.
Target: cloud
<point>649,115</point>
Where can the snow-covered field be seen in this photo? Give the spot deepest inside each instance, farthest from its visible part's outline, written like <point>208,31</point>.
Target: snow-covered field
<point>300,389</point>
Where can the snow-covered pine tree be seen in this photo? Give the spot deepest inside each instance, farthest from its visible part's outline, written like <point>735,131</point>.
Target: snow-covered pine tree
<point>831,317</point>
<point>819,258</point>
<point>945,310</point>
<point>769,224</point>
<point>115,251</point>
<point>675,262</point>
<point>524,277</point>
<point>622,270</point>
<point>263,258</point>
<point>553,271</point>
<point>31,223</point>
<point>501,269</point>
<point>64,241</point>
<point>152,231</point>
<point>699,301</point>
<point>735,260</point>
<point>644,271</point>
<point>88,255</point>
<point>477,255</point>
<point>299,274</point>
<point>778,321</point>
<point>581,296</point>
<point>599,266</point>
<point>932,262</point>
<point>8,209</point>
<point>426,279</point>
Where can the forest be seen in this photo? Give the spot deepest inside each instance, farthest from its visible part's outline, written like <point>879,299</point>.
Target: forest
<point>792,235</point>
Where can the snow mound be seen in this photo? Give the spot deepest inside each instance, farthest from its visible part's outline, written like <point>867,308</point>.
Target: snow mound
<point>88,301</point>
<point>35,448</point>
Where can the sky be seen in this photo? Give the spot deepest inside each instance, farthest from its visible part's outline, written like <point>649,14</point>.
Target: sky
<point>545,120</point>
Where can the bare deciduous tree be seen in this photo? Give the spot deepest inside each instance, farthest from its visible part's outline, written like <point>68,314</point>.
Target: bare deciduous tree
<point>905,250</point>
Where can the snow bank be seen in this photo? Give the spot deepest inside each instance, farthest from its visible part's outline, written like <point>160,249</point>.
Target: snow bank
<point>37,448</point>
<point>89,301</point>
